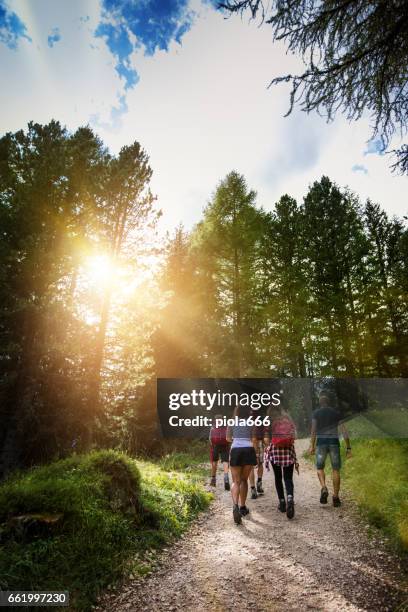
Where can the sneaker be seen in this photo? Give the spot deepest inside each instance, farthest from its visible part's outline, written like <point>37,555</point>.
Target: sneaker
<point>244,510</point>
<point>336,502</point>
<point>254,494</point>
<point>259,488</point>
<point>236,514</point>
<point>227,485</point>
<point>213,481</point>
<point>282,505</point>
<point>290,510</point>
<point>324,494</point>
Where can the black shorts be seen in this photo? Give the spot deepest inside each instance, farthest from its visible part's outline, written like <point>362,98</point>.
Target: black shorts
<point>219,452</point>
<point>243,456</point>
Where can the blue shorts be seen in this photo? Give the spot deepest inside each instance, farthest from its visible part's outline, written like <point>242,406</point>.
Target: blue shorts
<point>322,450</point>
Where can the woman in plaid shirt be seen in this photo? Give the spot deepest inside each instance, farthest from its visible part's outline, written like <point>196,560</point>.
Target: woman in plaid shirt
<point>281,453</point>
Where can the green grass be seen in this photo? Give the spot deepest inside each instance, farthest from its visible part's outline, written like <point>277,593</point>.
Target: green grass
<point>376,476</point>
<point>117,513</point>
<point>362,427</point>
<point>392,421</point>
<point>192,458</point>
<point>386,423</point>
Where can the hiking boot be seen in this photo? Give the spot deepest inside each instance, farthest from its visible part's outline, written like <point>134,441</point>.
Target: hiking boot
<point>236,514</point>
<point>290,510</point>
<point>324,494</point>
<point>227,484</point>
<point>259,487</point>
<point>282,505</point>
<point>254,494</point>
<point>213,481</point>
<point>244,510</point>
<point>336,502</point>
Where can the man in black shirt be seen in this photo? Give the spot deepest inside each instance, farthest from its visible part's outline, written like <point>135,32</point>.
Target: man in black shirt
<point>325,441</point>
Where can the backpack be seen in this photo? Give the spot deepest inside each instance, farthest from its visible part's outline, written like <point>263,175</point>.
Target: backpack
<point>218,436</point>
<point>283,432</point>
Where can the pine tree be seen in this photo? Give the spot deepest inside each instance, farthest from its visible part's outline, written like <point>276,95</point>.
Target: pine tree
<point>226,246</point>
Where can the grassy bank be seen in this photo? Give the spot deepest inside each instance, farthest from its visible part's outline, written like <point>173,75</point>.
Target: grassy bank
<point>377,477</point>
<point>82,523</point>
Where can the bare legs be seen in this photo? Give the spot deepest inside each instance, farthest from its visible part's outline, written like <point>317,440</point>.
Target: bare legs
<point>336,480</point>
<point>214,465</point>
<point>239,489</point>
<point>322,477</point>
<point>259,470</point>
<point>336,483</point>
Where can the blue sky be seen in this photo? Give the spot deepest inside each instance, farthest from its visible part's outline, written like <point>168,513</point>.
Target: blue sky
<point>191,86</point>
<point>11,27</point>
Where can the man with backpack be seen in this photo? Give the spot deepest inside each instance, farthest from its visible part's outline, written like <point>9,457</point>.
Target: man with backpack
<point>219,449</point>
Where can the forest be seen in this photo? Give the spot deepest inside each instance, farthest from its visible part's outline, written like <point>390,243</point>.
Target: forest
<point>96,304</point>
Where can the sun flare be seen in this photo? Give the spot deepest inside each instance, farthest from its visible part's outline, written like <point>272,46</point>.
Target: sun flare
<point>100,270</point>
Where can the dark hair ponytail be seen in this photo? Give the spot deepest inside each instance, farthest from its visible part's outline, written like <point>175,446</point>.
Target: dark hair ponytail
<point>243,412</point>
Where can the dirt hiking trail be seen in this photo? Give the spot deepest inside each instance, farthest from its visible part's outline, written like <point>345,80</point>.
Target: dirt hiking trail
<point>321,560</point>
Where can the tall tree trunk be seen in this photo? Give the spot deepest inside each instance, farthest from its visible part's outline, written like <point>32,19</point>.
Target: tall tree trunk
<point>237,301</point>
<point>18,403</point>
<point>301,361</point>
<point>354,326</point>
<point>388,301</point>
<point>345,338</point>
<point>95,382</point>
<point>398,335</point>
<point>332,341</point>
<point>97,362</point>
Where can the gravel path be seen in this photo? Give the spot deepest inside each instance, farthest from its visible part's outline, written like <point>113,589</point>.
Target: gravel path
<point>321,560</point>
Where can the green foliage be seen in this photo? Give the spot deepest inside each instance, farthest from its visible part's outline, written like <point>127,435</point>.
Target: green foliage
<point>114,510</point>
<point>283,292</point>
<point>178,330</point>
<point>393,422</point>
<point>63,200</point>
<point>225,247</point>
<point>310,289</point>
<point>385,289</point>
<point>191,457</point>
<point>355,55</point>
<point>362,427</point>
<point>377,477</point>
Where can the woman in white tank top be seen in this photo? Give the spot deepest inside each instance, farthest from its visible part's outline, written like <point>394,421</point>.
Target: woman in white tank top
<point>242,460</point>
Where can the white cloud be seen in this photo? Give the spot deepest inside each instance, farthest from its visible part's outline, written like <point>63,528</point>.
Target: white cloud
<point>200,109</point>
<point>204,108</point>
<point>70,81</point>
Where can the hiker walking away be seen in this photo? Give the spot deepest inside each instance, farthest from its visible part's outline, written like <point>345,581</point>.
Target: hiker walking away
<point>219,449</point>
<point>281,454</point>
<point>325,441</point>
<point>259,435</point>
<point>242,460</point>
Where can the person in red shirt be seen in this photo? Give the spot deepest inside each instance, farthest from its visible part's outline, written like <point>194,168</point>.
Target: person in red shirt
<point>219,449</point>
<point>281,454</point>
